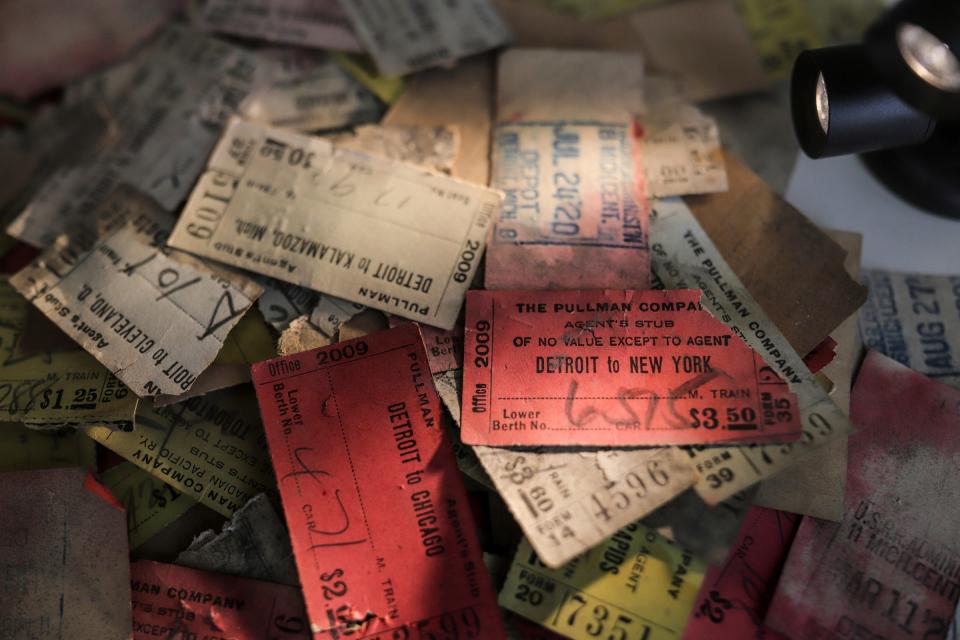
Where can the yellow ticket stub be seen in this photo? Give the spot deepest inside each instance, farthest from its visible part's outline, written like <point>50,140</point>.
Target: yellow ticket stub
<point>636,585</point>
<point>23,449</point>
<point>211,448</point>
<point>364,71</point>
<point>53,388</point>
<point>150,503</point>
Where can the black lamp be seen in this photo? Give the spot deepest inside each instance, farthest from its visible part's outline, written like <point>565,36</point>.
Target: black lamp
<point>895,99</point>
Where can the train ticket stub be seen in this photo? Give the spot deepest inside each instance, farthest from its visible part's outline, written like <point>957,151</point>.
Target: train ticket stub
<point>444,347</point>
<point>574,215</point>
<point>614,368</point>
<point>914,319</point>
<point>307,90</point>
<point>168,103</point>
<point>404,37</point>
<point>150,503</point>
<point>306,23</point>
<point>891,568</point>
<point>210,448</point>
<point>248,342</point>
<point>685,257</point>
<point>381,529</point>
<point>155,321</point>
<point>681,151</point>
<point>569,501</point>
<point>66,387</point>
<point>368,229</point>
<point>734,596</point>
<point>172,601</point>
<point>637,585</point>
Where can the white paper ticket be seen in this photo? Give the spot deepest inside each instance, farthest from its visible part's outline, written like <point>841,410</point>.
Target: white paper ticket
<point>307,23</point>
<point>568,502</point>
<point>154,321</point>
<point>367,229</point>
<point>404,37</point>
<point>914,319</point>
<point>307,90</point>
<point>680,152</point>
<point>167,107</point>
<point>684,257</point>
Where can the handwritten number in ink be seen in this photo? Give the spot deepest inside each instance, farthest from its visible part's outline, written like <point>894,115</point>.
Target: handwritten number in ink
<point>341,188</point>
<point>216,321</point>
<point>585,415</point>
<point>714,606</point>
<point>130,267</point>
<point>169,278</point>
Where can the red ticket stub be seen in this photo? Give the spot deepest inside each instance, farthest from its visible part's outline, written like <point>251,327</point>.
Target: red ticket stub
<point>734,597</point>
<point>444,346</point>
<point>170,601</point>
<point>890,569</point>
<point>616,368</point>
<point>379,520</point>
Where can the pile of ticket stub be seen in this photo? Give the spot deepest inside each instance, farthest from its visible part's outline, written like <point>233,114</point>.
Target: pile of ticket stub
<point>370,320</point>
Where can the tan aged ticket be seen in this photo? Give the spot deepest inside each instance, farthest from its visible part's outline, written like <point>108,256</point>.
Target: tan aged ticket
<point>211,449</point>
<point>684,257</point>
<point>363,228</point>
<point>569,501</point>
<point>680,151</point>
<point>61,387</point>
<point>154,321</point>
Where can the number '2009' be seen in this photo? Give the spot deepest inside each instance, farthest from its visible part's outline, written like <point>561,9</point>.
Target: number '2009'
<point>482,348</point>
<point>347,351</point>
<point>467,256</point>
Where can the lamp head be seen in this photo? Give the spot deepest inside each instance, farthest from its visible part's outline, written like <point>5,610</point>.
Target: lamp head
<point>841,105</point>
<point>915,47</point>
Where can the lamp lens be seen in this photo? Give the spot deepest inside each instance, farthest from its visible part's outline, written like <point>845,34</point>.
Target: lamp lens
<point>823,104</point>
<point>929,57</point>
